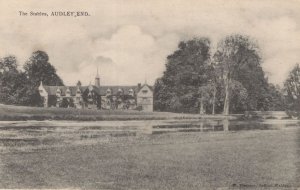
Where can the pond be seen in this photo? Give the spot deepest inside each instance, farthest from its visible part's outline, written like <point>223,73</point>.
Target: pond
<point>50,133</point>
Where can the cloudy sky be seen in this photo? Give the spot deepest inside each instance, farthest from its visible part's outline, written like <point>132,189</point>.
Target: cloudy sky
<point>129,40</point>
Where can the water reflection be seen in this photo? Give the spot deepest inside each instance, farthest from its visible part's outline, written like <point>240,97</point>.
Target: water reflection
<point>222,125</point>
<point>21,135</point>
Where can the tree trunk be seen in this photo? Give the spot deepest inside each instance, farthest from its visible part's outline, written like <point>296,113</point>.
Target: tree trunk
<point>201,126</point>
<point>201,106</point>
<point>226,124</point>
<point>214,100</point>
<point>227,96</point>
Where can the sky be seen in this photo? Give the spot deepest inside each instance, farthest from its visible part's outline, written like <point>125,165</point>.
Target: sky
<point>129,40</point>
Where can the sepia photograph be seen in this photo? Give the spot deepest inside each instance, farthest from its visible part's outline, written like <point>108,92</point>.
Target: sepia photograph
<point>150,94</point>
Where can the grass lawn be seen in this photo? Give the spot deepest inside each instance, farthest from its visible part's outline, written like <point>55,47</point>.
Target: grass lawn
<point>209,160</point>
<point>17,113</point>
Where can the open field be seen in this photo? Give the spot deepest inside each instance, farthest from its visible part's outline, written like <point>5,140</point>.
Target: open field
<point>108,155</point>
<point>19,113</point>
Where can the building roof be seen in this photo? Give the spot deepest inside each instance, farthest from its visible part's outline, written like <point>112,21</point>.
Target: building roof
<point>115,89</point>
<point>51,90</point>
<point>102,90</point>
<point>151,87</point>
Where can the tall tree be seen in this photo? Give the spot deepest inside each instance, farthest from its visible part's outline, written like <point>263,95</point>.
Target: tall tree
<point>8,64</point>
<point>205,96</point>
<point>238,59</point>
<point>186,70</point>
<point>292,88</point>
<point>12,81</point>
<point>275,97</point>
<point>38,69</point>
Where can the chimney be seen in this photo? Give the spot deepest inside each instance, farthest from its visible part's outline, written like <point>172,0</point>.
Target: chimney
<point>78,84</point>
<point>97,79</point>
<point>139,85</point>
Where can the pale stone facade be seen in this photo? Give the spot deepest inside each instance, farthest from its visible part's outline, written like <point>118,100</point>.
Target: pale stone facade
<point>145,98</point>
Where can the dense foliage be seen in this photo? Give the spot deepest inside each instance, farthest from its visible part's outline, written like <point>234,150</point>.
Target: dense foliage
<point>231,79</point>
<point>21,87</point>
<point>238,59</point>
<point>187,69</point>
<point>12,81</point>
<point>292,88</point>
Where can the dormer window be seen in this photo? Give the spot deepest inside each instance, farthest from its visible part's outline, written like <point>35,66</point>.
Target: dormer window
<point>120,91</point>
<point>58,92</point>
<point>68,92</point>
<point>108,92</point>
<point>78,92</point>
<point>131,92</point>
<point>90,87</point>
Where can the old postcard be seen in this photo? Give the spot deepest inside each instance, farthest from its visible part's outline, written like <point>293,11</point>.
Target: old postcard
<point>150,94</point>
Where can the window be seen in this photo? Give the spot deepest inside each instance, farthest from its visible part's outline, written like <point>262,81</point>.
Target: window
<point>145,100</point>
<point>145,91</point>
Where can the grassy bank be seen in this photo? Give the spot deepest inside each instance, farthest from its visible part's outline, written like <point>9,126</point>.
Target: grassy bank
<point>21,113</point>
<point>87,158</point>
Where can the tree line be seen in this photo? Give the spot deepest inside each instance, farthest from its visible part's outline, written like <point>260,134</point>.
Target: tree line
<point>228,80</point>
<point>196,80</point>
<point>19,86</point>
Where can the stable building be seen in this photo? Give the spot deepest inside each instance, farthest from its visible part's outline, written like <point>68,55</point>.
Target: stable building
<point>138,97</point>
